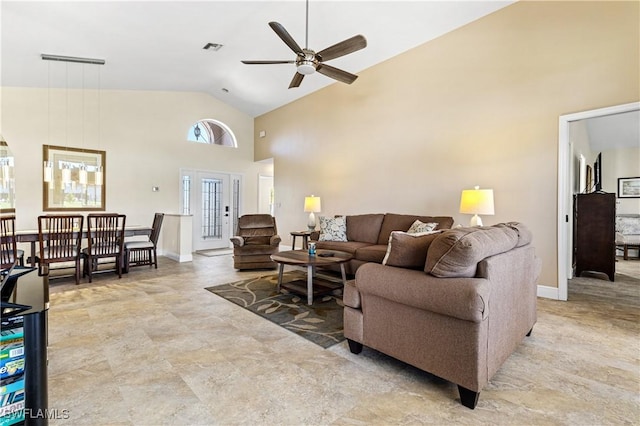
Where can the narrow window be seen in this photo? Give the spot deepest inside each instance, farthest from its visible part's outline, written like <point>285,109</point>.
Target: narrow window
<point>186,194</point>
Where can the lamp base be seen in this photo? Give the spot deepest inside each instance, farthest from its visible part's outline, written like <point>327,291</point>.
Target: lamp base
<point>311,223</point>
<point>475,221</point>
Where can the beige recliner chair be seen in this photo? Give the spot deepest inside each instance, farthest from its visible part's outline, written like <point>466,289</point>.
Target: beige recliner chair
<point>256,241</point>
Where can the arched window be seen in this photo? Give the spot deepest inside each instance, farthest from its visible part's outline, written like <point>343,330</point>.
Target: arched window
<point>212,132</point>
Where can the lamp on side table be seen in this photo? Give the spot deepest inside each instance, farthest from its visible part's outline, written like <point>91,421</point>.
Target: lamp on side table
<point>312,205</point>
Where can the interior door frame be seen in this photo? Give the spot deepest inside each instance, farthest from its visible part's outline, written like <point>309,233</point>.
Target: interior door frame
<point>565,209</point>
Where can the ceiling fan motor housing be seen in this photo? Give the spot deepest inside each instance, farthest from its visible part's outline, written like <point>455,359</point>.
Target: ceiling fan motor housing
<point>306,64</point>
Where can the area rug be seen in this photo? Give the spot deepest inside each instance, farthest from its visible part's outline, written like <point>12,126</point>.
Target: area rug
<point>320,323</point>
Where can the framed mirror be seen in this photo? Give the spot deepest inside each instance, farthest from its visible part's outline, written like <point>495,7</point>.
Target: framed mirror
<point>7,180</point>
<point>73,179</point>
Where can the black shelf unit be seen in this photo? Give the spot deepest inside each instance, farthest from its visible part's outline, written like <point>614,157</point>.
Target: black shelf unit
<point>25,303</point>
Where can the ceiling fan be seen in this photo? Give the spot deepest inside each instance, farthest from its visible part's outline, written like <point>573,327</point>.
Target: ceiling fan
<point>308,61</point>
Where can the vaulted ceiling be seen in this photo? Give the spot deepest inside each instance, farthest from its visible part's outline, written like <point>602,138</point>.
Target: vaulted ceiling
<point>158,45</point>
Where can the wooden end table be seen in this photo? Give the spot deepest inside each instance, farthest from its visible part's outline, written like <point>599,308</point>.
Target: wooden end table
<point>302,258</point>
<point>305,239</point>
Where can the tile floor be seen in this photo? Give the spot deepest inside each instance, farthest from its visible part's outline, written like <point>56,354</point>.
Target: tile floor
<point>156,348</point>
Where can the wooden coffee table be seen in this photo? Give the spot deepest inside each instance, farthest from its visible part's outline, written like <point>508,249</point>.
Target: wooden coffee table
<point>302,258</point>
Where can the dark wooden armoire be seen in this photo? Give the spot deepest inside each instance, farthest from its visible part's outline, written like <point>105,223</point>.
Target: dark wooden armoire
<point>594,233</point>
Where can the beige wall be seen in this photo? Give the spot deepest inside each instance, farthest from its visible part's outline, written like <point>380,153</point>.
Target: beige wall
<point>478,106</point>
<point>144,135</point>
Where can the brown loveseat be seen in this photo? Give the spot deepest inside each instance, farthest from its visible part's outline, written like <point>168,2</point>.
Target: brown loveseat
<point>368,235</point>
<point>459,315</point>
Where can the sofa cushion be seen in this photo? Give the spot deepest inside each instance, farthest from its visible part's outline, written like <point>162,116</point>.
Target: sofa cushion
<point>333,229</point>
<point>418,227</point>
<point>456,252</point>
<point>364,227</point>
<point>407,250</point>
<point>345,246</point>
<point>402,222</point>
<point>524,235</point>
<point>371,253</point>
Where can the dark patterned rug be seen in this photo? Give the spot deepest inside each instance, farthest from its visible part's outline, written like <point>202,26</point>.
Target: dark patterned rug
<point>320,323</point>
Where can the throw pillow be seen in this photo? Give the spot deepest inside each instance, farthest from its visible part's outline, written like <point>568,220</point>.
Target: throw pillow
<point>407,250</point>
<point>333,229</point>
<point>419,226</point>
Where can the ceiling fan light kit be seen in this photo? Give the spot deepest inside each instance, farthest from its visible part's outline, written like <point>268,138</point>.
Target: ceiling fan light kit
<point>306,65</point>
<point>308,61</point>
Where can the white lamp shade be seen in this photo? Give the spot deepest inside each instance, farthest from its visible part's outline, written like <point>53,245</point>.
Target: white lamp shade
<point>312,204</point>
<point>477,201</point>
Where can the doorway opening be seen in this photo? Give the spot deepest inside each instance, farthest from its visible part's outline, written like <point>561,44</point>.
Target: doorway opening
<point>567,183</point>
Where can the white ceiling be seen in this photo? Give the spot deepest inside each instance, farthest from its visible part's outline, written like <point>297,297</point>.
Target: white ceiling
<point>614,131</point>
<point>157,45</point>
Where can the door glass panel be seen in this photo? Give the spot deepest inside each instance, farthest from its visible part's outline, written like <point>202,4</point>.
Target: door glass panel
<point>211,208</point>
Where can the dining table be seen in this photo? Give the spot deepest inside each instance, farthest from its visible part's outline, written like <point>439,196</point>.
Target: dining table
<point>31,236</point>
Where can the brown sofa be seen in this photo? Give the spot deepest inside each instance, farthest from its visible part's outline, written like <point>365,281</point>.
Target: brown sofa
<point>460,315</point>
<point>368,236</point>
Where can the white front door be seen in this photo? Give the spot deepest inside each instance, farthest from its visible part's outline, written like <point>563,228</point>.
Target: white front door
<point>212,211</point>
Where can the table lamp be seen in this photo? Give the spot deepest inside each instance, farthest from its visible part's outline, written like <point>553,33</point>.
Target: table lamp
<point>312,205</point>
<point>477,201</point>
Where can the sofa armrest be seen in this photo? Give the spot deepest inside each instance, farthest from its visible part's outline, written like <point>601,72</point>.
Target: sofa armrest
<point>237,241</point>
<point>275,240</point>
<point>463,298</point>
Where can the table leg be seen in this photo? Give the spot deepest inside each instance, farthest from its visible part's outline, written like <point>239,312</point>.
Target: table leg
<point>33,254</point>
<point>293,242</point>
<point>280,276</point>
<point>305,242</point>
<point>344,275</point>
<point>309,285</point>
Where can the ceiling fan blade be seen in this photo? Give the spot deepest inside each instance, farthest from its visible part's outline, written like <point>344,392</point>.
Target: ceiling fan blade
<point>297,79</point>
<point>286,37</point>
<point>343,48</point>
<point>336,74</point>
<point>267,62</point>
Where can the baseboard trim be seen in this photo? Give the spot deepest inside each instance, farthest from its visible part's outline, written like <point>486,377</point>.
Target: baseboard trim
<point>179,258</point>
<point>548,292</point>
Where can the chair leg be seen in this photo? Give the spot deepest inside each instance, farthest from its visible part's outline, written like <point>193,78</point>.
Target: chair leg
<point>125,261</point>
<point>155,258</point>
<point>89,267</point>
<point>119,265</point>
<point>77,271</point>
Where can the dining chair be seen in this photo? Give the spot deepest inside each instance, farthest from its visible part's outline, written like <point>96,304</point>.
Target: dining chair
<point>138,253</point>
<point>8,248</point>
<point>59,238</point>
<point>105,239</point>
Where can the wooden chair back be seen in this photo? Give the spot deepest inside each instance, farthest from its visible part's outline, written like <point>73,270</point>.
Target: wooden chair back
<point>155,228</point>
<point>105,234</point>
<point>105,238</point>
<point>8,246</point>
<point>59,239</point>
